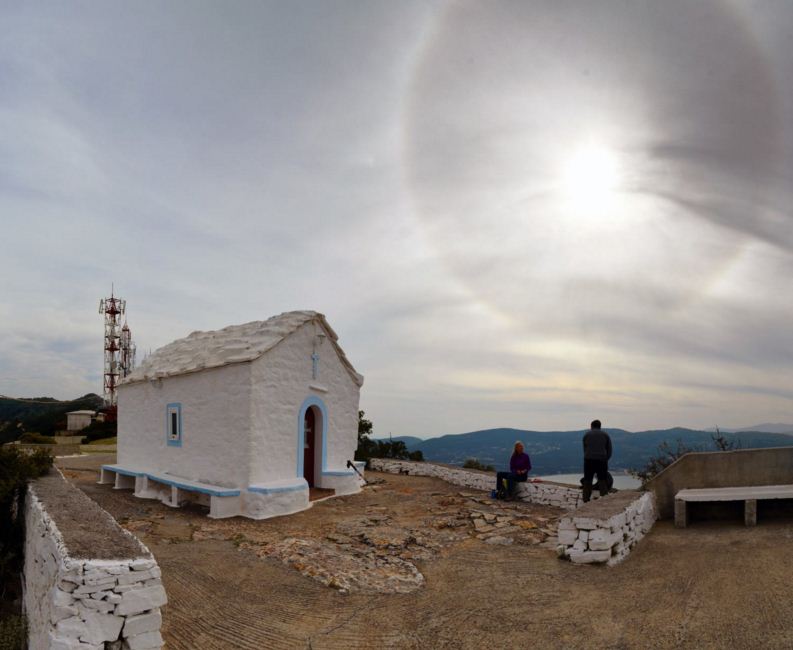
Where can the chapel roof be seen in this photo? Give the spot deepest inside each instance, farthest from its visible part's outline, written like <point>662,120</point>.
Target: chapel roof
<point>233,344</point>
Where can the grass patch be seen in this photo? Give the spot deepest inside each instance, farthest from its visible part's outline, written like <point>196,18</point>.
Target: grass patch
<point>104,441</point>
<point>13,633</point>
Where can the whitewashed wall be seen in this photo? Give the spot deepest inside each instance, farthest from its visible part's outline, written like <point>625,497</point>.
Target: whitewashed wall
<point>216,408</point>
<point>282,380</point>
<point>78,604</point>
<point>586,539</point>
<point>543,493</point>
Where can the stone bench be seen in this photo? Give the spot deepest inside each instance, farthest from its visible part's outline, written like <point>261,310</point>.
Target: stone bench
<point>173,491</point>
<point>749,495</point>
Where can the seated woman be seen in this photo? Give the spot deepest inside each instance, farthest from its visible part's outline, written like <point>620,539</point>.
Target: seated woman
<point>519,467</point>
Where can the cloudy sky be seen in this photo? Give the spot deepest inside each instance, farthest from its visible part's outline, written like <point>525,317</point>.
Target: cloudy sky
<point>521,214</point>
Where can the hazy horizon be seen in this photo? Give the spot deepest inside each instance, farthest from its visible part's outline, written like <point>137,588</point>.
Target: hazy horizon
<point>532,213</point>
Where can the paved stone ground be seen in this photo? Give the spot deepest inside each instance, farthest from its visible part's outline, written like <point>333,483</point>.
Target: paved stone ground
<point>234,583</point>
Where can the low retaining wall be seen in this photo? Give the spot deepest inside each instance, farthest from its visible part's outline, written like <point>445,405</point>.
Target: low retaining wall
<point>545,493</point>
<point>605,531</point>
<point>89,584</point>
<point>70,449</point>
<point>713,469</point>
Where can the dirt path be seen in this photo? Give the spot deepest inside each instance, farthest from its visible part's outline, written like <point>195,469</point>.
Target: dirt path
<point>714,585</point>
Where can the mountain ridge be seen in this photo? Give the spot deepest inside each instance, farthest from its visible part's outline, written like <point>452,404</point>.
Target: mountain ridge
<point>556,452</point>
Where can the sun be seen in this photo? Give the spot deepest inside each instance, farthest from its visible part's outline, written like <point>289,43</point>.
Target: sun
<point>591,177</point>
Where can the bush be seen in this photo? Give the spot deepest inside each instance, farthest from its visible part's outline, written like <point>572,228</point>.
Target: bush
<point>13,633</point>
<point>31,438</point>
<point>16,468</point>
<point>99,430</point>
<point>368,448</point>
<point>473,463</point>
<point>667,454</point>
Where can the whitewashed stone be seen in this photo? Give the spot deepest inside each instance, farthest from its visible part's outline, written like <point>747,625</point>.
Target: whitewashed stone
<point>98,605</point>
<point>60,598</point>
<point>589,557</point>
<point>73,627</point>
<point>141,564</point>
<point>568,537</point>
<point>141,600</point>
<point>585,523</point>
<point>101,627</point>
<point>135,576</point>
<point>145,641</point>
<point>149,622</point>
<point>59,613</point>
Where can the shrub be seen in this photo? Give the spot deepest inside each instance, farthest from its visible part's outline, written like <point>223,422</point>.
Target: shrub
<point>473,463</point>
<point>13,633</point>
<point>31,438</point>
<point>99,430</point>
<point>16,468</point>
<point>368,448</point>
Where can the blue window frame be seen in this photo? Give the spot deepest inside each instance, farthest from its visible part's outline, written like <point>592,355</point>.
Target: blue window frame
<point>173,424</point>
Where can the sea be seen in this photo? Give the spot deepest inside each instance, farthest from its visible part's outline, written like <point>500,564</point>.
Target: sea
<point>621,481</point>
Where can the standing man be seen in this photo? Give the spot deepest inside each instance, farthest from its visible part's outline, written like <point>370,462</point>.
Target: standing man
<point>597,451</point>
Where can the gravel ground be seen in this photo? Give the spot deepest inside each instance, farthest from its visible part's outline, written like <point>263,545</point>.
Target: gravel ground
<point>713,585</point>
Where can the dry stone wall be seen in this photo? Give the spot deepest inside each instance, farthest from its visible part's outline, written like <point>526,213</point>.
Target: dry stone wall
<point>79,603</point>
<point>545,493</point>
<point>606,531</point>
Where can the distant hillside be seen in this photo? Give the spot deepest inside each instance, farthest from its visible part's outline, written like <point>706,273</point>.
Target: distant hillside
<point>768,427</point>
<point>555,452</point>
<point>43,415</point>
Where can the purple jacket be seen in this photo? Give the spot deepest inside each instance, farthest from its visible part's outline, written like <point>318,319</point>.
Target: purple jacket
<point>519,462</point>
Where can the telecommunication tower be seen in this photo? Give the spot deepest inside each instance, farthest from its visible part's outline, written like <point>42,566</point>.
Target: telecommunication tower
<point>119,348</point>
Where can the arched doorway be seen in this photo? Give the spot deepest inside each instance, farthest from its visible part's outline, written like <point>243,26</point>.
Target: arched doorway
<point>309,445</point>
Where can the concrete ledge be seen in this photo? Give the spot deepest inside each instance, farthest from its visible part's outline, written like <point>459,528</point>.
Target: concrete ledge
<point>750,495</point>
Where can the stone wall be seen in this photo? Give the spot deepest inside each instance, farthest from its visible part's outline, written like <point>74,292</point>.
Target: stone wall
<point>74,601</point>
<point>606,530</point>
<point>545,492</point>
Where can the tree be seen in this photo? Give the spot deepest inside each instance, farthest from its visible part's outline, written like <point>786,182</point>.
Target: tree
<point>364,427</point>
<point>667,454</point>
<point>473,463</point>
<point>368,448</point>
<point>16,469</point>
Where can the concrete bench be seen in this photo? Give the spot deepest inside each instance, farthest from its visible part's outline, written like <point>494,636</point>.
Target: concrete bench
<point>749,495</point>
<point>173,491</point>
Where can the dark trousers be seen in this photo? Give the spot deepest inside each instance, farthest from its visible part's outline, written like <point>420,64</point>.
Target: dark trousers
<point>511,479</point>
<point>594,467</point>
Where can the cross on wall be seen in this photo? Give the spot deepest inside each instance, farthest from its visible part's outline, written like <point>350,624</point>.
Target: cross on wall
<point>314,365</point>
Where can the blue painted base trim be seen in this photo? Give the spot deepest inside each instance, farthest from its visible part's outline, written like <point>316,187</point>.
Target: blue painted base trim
<point>273,490</point>
<point>158,478</point>
<point>118,470</point>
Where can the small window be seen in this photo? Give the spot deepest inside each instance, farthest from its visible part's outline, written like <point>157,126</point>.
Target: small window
<point>174,425</point>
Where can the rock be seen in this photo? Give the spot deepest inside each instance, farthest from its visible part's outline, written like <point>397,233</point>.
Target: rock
<point>149,622</point>
<point>589,557</point>
<point>141,600</point>
<point>145,641</point>
<point>497,539</point>
<point>101,627</point>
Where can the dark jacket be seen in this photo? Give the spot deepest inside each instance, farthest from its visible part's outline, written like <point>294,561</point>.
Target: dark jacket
<point>519,462</point>
<point>597,445</point>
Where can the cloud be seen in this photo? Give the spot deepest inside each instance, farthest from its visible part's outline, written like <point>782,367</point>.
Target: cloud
<point>397,166</point>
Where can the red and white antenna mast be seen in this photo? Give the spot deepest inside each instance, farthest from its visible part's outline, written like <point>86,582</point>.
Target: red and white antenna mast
<point>119,348</point>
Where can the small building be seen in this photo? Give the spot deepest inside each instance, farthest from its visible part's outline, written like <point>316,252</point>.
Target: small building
<point>78,420</point>
<point>244,420</point>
